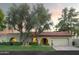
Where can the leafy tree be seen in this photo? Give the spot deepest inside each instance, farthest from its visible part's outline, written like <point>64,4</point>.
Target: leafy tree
<point>68,20</point>
<point>21,17</point>
<point>40,19</point>
<point>2,21</point>
<point>17,17</point>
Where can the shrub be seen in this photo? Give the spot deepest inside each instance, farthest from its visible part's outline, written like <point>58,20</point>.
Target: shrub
<point>8,43</point>
<point>5,43</point>
<point>35,40</point>
<point>33,43</point>
<point>18,43</point>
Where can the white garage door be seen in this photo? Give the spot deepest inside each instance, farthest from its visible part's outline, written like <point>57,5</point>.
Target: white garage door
<point>60,42</point>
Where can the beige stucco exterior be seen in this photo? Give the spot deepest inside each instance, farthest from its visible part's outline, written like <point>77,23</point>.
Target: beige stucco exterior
<point>58,41</point>
<point>52,41</point>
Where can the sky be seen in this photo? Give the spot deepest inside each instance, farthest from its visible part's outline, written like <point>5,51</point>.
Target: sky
<point>54,8</point>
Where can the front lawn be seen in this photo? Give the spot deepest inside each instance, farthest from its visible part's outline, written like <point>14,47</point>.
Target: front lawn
<point>26,48</point>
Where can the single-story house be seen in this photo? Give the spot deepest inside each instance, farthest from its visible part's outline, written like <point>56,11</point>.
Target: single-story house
<point>52,38</point>
<point>55,38</point>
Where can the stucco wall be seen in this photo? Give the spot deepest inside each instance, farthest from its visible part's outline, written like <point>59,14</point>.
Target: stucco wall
<point>68,40</point>
<point>6,38</point>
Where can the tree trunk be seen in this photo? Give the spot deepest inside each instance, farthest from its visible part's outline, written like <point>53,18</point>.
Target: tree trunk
<point>21,36</point>
<point>26,39</point>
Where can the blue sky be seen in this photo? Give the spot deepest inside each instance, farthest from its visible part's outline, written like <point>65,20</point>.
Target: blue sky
<point>4,7</point>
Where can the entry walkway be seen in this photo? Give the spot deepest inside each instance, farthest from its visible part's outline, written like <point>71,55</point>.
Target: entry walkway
<point>65,48</point>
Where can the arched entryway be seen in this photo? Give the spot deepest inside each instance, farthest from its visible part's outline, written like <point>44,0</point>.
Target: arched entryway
<point>44,41</point>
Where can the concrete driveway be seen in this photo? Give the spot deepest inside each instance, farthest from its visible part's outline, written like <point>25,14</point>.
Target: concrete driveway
<point>65,48</point>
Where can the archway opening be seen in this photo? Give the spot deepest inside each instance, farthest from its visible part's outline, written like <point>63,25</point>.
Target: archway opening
<point>44,41</point>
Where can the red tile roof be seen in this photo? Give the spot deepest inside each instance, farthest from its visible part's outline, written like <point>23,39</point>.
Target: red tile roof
<point>55,34</point>
<point>48,34</point>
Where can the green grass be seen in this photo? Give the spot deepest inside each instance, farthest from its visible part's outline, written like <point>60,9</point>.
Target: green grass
<point>26,48</point>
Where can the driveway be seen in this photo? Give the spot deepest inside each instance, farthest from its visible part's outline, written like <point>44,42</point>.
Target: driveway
<point>66,48</point>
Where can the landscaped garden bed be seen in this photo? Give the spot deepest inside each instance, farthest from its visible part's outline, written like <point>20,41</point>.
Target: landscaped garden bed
<point>13,45</point>
<point>26,48</point>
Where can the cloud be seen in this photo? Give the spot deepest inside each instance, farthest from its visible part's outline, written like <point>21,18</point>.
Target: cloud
<point>56,13</point>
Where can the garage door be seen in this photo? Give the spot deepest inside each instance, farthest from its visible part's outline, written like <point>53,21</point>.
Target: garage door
<point>60,42</point>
